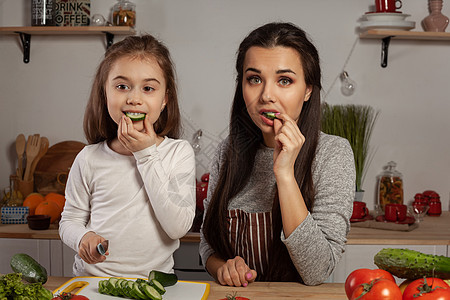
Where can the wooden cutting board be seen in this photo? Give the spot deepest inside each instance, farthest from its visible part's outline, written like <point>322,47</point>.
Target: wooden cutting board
<point>188,290</point>
<point>56,162</point>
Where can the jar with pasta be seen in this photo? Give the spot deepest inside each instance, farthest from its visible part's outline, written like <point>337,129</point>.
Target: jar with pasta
<point>124,13</point>
<point>390,186</point>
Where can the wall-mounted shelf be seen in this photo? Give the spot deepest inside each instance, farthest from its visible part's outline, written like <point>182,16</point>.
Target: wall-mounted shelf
<point>387,35</point>
<point>25,33</point>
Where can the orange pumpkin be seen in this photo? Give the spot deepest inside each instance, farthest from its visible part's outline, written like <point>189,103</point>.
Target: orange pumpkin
<point>49,208</point>
<point>32,201</point>
<point>57,198</point>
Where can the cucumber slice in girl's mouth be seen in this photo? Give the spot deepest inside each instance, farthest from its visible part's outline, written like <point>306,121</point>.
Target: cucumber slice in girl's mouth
<point>135,116</point>
<point>270,115</point>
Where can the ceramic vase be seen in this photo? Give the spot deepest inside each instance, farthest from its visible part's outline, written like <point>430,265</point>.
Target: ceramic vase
<point>436,21</point>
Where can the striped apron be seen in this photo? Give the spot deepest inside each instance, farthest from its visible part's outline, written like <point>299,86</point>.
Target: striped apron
<point>250,236</point>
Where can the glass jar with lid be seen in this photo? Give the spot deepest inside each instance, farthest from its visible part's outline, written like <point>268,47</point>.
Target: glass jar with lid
<point>390,186</point>
<point>124,13</point>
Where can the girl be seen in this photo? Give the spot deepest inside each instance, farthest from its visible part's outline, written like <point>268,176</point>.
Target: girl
<point>132,188</point>
<point>280,191</point>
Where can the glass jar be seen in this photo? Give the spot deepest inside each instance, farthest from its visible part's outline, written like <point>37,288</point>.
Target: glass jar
<point>43,12</point>
<point>390,186</point>
<point>124,13</point>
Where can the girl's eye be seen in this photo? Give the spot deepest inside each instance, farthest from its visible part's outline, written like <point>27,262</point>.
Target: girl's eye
<point>285,81</point>
<point>122,87</point>
<point>254,80</point>
<point>148,89</point>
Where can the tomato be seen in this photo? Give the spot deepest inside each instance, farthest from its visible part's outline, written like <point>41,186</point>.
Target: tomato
<point>377,289</point>
<point>69,296</point>
<point>427,289</point>
<point>361,276</point>
<point>234,297</point>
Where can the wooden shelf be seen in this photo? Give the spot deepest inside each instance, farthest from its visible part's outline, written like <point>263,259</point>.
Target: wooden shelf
<point>25,33</point>
<point>68,30</point>
<point>386,36</point>
<point>405,35</point>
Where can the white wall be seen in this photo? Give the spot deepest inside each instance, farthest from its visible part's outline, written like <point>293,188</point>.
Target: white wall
<point>48,95</point>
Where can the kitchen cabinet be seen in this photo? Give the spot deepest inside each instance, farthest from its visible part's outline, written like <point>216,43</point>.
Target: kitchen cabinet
<point>25,33</point>
<point>432,237</point>
<point>387,35</point>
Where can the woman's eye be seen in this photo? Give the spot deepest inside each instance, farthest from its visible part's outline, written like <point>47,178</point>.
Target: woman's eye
<point>148,89</point>
<point>254,80</point>
<point>122,87</point>
<point>285,81</point>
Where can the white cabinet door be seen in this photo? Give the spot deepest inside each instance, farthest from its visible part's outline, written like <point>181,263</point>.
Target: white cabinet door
<point>37,249</point>
<point>361,256</point>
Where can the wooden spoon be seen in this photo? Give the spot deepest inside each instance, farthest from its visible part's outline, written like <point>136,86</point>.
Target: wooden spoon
<point>20,149</point>
<point>43,149</point>
<point>32,150</point>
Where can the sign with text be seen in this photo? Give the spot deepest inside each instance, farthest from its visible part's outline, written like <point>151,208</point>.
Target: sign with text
<point>73,12</point>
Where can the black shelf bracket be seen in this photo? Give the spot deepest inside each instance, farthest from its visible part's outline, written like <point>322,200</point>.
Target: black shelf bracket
<point>384,51</point>
<point>109,39</point>
<point>26,44</point>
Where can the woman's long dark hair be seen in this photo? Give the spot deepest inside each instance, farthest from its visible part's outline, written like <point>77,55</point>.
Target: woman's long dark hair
<point>245,138</point>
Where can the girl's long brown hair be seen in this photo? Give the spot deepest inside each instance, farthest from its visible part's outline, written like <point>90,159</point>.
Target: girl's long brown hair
<point>245,138</point>
<point>98,125</point>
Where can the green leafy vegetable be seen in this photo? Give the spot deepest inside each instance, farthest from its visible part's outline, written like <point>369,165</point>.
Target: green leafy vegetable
<point>13,288</point>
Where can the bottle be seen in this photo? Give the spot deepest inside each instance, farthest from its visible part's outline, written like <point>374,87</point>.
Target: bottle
<point>390,186</point>
<point>124,13</point>
<point>43,12</point>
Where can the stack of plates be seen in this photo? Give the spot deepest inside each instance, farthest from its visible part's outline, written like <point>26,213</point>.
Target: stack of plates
<point>396,21</point>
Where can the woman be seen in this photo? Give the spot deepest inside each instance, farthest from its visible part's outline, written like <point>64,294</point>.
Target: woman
<point>280,192</point>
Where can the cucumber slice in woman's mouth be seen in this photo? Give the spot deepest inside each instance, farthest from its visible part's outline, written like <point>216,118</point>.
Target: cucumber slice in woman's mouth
<point>270,115</point>
<point>135,116</point>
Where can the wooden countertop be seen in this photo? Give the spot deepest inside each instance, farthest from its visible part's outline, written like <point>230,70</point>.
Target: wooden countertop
<point>432,231</point>
<point>257,290</point>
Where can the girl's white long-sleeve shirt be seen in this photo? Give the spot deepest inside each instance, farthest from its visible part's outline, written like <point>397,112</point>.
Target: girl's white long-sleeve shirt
<point>141,203</point>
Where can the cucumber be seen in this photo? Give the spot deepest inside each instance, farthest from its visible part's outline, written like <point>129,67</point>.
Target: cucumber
<point>410,264</point>
<point>112,286</point>
<point>135,116</point>
<point>157,286</point>
<point>270,115</point>
<point>31,270</point>
<point>149,291</point>
<point>166,279</point>
<point>137,291</point>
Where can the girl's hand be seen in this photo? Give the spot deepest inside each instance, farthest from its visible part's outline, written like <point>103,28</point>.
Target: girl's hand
<point>87,249</point>
<point>132,139</point>
<point>235,272</point>
<point>288,142</point>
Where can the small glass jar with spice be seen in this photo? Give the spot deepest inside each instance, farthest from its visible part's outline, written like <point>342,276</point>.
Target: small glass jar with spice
<point>124,13</point>
<point>390,186</point>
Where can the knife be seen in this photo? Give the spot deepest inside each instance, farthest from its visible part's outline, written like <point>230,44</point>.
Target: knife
<point>103,247</point>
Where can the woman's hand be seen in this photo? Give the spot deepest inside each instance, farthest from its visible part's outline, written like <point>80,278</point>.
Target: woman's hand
<point>288,142</point>
<point>132,139</point>
<point>235,272</point>
<point>87,249</point>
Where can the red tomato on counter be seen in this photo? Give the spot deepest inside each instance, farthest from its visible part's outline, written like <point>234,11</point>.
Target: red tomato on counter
<point>361,276</point>
<point>377,289</point>
<point>427,289</point>
<point>69,296</point>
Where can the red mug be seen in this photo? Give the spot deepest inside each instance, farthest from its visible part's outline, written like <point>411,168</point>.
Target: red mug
<point>359,210</point>
<point>387,6</point>
<point>394,212</point>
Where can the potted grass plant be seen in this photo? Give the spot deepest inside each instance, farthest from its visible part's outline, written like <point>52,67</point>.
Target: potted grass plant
<point>355,123</point>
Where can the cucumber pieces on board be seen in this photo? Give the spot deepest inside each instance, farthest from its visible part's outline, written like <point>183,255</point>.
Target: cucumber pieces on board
<point>153,288</point>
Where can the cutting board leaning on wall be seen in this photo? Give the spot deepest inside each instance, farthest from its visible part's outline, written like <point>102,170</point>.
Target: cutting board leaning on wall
<point>53,168</point>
